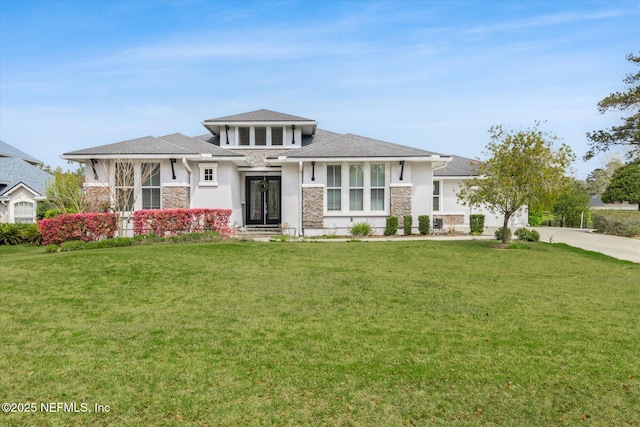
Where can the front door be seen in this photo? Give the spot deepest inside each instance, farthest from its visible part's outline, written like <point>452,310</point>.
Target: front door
<point>263,200</point>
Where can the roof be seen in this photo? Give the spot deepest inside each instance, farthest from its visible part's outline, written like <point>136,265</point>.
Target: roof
<point>260,116</point>
<point>14,171</point>
<point>350,145</point>
<point>174,144</point>
<point>7,150</point>
<point>459,166</point>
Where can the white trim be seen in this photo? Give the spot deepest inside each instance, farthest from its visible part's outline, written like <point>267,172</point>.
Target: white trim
<point>359,159</point>
<point>400,184</point>
<point>312,185</point>
<point>174,184</point>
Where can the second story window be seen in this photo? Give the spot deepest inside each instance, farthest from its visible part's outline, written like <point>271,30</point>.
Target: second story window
<point>245,136</point>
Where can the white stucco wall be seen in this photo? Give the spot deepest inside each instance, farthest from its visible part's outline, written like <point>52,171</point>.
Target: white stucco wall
<point>227,194</point>
<point>290,201</point>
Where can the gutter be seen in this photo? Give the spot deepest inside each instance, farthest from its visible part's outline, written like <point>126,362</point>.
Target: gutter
<point>300,227</point>
<point>190,172</point>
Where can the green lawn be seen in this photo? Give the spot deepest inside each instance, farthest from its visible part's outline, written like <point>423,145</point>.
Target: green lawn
<point>359,334</point>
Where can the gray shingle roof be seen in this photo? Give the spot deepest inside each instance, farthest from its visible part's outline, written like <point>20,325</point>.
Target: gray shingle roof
<point>14,171</point>
<point>174,144</point>
<point>7,150</point>
<point>350,145</point>
<point>459,166</point>
<point>260,116</point>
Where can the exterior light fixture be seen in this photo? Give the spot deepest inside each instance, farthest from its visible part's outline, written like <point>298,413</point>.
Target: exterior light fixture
<point>401,169</point>
<point>293,131</point>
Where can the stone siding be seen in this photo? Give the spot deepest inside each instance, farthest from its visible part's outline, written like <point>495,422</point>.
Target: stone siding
<point>256,157</point>
<point>400,203</point>
<point>99,198</point>
<point>312,207</point>
<point>175,197</point>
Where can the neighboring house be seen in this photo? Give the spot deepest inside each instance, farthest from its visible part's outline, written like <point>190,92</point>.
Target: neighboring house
<point>281,171</point>
<point>596,204</point>
<point>22,185</point>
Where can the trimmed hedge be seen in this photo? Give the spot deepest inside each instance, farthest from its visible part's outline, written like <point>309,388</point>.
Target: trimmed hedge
<point>528,235</point>
<point>476,223</point>
<point>617,223</point>
<point>392,226</point>
<point>173,222</point>
<point>83,226</point>
<point>424,224</point>
<point>408,224</point>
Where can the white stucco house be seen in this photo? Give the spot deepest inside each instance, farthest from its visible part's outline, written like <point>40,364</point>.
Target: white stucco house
<point>281,171</point>
<point>22,185</point>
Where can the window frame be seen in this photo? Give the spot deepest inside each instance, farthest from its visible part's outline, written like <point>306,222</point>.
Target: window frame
<point>436,198</point>
<point>149,186</point>
<point>345,190</point>
<point>213,168</point>
<point>335,189</point>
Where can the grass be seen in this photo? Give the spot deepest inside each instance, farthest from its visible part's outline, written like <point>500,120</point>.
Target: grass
<point>375,333</point>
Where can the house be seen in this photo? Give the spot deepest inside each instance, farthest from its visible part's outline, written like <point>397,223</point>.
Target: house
<point>280,171</point>
<point>596,204</point>
<point>22,185</point>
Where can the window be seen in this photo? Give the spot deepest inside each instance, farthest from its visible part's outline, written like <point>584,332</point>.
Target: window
<point>334,187</point>
<point>377,187</point>
<point>261,136</point>
<point>436,196</point>
<point>150,176</point>
<point>23,212</point>
<point>124,186</point>
<point>245,135</point>
<point>356,187</point>
<point>208,174</point>
<point>276,136</point>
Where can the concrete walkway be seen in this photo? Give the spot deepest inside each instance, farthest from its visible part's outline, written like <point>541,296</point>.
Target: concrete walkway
<point>618,247</point>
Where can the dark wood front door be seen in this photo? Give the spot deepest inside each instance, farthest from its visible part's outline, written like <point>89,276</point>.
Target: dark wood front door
<point>263,200</point>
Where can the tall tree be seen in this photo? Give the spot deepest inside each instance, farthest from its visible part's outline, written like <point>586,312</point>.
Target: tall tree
<point>625,185</point>
<point>598,179</point>
<point>628,133</point>
<point>522,169</point>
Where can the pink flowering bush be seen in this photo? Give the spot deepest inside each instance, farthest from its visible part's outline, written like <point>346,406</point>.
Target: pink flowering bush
<point>172,222</point>
<point>83,226</point>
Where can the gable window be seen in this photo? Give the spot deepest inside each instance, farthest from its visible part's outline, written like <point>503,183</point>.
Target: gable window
<point>208,174</point>
<point>124,186</point>
<point>150,176</point>
<point>276,136</point>
<point>377,187</point>
<point>245,135</point>
<point>261,136</point>
<point>334,187</point>
<point>436,196</point>
<point>356,187</point>
<point>23,212</point>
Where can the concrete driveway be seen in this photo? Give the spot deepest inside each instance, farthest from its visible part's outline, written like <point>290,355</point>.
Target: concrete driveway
<point>617,247</point>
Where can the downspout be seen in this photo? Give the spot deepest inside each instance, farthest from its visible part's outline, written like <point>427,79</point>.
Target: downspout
<point>188,168</point>
<point>301,171</point>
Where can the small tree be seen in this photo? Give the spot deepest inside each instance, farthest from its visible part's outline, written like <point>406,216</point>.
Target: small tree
<point>522,168</point>
<point>571,203</point>
<point>625,185</point>
<point>65,192</point>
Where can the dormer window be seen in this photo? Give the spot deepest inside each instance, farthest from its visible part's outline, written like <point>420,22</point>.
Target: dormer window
<point>276,136</point>
<point>244,135</point>
<point>261,136</point>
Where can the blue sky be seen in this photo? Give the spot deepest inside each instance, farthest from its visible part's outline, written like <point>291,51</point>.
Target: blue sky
<point>429,74</point>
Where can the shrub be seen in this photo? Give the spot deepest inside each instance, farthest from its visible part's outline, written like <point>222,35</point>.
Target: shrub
<point>476,223</point>
<point>52,213</point>
<point>72,245</point>
<point>392,226</point>
<point>407,224</point>
<point>528,235</point>
<point>424,224</point>
<point>498,233</point>
<point>617,223</point>
<point>10,234</point>
<point>85,227</point>
<point>30,233</point>
<point>535,218</point>
<point>360,229</point>
<point>173,222</point>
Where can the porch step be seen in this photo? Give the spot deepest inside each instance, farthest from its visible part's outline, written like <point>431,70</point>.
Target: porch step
<point>254,232</point>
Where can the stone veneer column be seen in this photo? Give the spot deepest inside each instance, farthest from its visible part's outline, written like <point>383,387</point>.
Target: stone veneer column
<point>312,207</point>
<point>99,198</point>
<point>400,202</point>
<point>175,197</point>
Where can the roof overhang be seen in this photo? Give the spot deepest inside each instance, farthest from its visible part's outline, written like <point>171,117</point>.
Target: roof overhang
<point>83,158</point>
<point>20,185</point>
<point>422,159</point>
